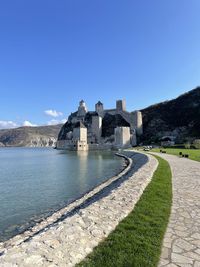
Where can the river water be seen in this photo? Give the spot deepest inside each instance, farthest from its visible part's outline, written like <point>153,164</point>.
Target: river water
<point>34,182</point>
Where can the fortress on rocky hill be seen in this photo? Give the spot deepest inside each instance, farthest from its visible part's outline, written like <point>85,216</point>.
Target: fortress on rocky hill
<point>101,129</point>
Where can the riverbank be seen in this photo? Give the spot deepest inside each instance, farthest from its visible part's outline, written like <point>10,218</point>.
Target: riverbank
<point>72,233</point>
<point>137,239</point>
<point>37,182</point>
<point>61,213</point>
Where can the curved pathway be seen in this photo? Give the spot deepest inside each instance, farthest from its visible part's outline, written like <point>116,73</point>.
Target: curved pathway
<point>181,245</point>
<point>68,240</point>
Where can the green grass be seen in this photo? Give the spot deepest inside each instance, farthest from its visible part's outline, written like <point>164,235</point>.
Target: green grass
<point>194,154</point>
<point>137,240</point>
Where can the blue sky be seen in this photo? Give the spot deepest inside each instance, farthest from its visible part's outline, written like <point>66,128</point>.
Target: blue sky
<point>55,53</point>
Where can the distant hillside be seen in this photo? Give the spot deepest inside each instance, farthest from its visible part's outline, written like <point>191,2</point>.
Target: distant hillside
<point>179,118</point>
<point>30,136</point>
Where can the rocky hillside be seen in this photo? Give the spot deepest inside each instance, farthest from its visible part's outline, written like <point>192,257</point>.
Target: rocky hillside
<point>42,136</point>
<point>179,118</point>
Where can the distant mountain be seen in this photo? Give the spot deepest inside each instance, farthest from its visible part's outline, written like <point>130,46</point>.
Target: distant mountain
<point>179,118</point>
<point>42,136</point>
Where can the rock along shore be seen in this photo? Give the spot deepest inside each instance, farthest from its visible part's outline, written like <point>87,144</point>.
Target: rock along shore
<point>69,235</point>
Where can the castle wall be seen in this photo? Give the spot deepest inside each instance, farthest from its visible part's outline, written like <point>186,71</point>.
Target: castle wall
<point>133,139</point>
<point>80,134</point>
<point>109,111</point>
<point>122,137</point>
<point>97,127</point>
<point>72,145</point>
<point>125,115</point>
<point>65,144</point>
<point>81,146</point>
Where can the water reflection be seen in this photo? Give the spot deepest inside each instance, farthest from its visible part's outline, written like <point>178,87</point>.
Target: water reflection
<point>34,182</point>
<point>82,169</point>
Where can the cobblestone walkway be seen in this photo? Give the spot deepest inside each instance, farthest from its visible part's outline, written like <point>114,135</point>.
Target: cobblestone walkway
<point>68,241</point>
<point>182,240</point>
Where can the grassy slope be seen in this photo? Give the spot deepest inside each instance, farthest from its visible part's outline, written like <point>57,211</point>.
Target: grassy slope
<point>193,153</point>
<point>137,240</point>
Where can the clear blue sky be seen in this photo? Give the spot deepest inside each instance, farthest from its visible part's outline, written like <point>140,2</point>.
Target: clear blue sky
<point>54,53</point>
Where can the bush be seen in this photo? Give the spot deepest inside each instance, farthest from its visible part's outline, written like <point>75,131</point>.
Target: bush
<point>187,145</point>
<point>196,143</point>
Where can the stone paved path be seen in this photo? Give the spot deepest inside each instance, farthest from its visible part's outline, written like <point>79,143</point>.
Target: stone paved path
<point>181,245</point>
<point>68,241</point>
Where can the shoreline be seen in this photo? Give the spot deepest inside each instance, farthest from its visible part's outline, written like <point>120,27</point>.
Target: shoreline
<point>59,214</point>
<point>77,231</point>
<point>18,227</point>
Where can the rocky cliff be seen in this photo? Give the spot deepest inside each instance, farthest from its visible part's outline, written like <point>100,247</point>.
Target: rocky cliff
<point>179,117</point>
<point>43,136</point>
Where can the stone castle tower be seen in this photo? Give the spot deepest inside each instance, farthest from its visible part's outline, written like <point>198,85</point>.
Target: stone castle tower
<point>80,137</point>
<point>121,105</point>
<point>122,137</point>
<point>97,127</point>
<point>99,109</point>
<point>82,109</point>
<point>137,120</point>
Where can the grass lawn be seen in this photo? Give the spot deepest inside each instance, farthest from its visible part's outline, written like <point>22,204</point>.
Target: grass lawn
<point>137,240</point>
<point>193,153</point>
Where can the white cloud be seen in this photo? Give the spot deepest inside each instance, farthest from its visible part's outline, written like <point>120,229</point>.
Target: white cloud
<point>8,124</point>
<point>53,113</point>
<point>29,124</point>
<point>12,124</point>
<point>63,121</point>
<point>54,122</point>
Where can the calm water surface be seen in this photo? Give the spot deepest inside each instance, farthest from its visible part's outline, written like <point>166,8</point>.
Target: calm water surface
<point>34,182</point>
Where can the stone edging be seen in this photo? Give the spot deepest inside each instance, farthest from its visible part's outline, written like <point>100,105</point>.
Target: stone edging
<point>61,214</point>
<point>76,233</point>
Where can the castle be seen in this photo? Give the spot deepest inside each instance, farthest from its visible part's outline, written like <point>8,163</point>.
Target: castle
<point>101,129</point>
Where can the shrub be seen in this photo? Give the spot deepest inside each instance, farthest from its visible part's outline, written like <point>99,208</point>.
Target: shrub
<point>187,145</point>
<point>196,143</point>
